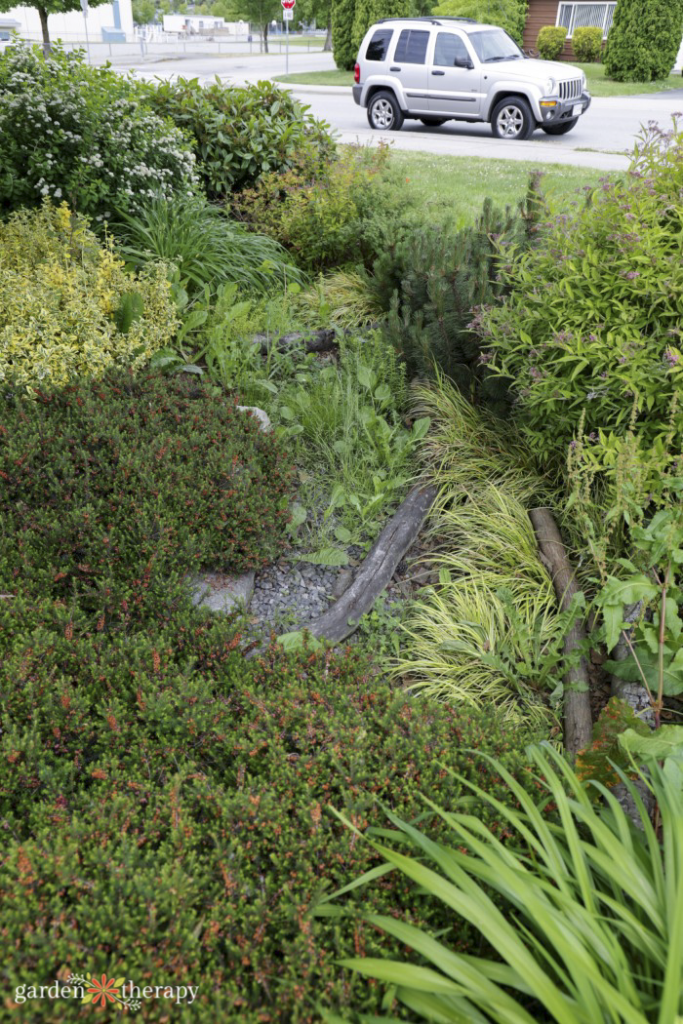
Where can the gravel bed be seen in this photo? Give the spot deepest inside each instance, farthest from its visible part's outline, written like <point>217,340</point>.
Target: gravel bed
<point>296,592</point>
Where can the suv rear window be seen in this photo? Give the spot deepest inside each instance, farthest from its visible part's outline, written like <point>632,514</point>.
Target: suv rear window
<point>379,44</point>
<point>412,46</point>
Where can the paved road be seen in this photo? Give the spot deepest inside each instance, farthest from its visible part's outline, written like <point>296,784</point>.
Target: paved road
<point>600,139</point>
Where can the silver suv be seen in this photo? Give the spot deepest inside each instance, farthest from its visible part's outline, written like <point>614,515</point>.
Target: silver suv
<point>439,69</point>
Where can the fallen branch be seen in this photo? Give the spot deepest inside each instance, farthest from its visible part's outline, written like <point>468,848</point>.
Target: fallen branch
<point>397,537</point>
<point>314,341</point>
<point>577,710</point>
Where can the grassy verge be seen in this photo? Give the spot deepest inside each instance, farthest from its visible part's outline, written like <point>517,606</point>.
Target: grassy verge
<point>598,83</point>
<point>318,78</point>
<point>456,186</point>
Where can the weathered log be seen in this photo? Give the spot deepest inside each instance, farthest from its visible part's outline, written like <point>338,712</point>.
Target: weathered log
<point>577,709</point>
<point>397,537</point>
<point>314,341</point>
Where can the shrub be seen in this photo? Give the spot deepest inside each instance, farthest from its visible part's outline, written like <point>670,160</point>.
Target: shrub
<point>550,41</point>
<point>342,214</point>
<point>432,278</point>
<point>643,40</point>
<point>587,44</point>
<point>207,247</point>
<point>112,491</point>
<point>242,134</point>
<point>167,813</point>
<point>588,329</point>
<point>588,929</point>
<point>67,308</point>
<point>82,133</point>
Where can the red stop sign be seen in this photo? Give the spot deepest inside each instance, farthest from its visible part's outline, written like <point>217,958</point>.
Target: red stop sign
<point>288,4</point>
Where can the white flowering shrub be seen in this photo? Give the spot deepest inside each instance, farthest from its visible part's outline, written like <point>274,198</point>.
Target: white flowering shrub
<point>83,134</point>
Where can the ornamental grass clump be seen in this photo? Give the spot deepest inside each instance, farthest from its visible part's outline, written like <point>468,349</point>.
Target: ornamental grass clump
<point>112,491</point>
<point>68,309</point>
<point>488,630</point>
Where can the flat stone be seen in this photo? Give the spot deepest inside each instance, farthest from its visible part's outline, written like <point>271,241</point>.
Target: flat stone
<point>221,593</point>
<point>260,415</point>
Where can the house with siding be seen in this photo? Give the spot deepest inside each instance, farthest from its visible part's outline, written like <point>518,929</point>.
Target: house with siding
<point>572,14</point>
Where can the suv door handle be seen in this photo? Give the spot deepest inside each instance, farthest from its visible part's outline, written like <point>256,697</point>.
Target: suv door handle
<point>394,69</point>
<point>438,72</point>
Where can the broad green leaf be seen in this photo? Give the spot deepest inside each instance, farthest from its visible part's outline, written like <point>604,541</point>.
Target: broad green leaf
<point>664,742</point>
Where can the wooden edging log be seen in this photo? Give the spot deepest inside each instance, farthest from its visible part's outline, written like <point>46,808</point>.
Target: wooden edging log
<point>577,710</point>
<point>314,341</point>
<point>397,537</point>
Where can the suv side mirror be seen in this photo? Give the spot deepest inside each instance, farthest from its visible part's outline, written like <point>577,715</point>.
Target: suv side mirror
<point>464,63</point>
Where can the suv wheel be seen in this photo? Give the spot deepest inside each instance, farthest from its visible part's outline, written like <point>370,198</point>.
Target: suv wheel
<point>512,119</point>
<point>559,129</point>
<point>384,113</point>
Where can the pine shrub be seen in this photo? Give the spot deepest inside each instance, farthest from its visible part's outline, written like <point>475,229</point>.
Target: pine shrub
<point>433,282</point>
<point>166,815</point>
<point>112,491</point>
<point>643,40</point>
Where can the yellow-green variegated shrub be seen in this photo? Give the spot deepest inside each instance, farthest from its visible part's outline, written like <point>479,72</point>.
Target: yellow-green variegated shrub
<point>67,306</point>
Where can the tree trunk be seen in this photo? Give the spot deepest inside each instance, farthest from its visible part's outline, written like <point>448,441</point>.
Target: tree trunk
<point>578,726</point>
<point>328,38</point>
<point>265,38</point>
<point>47,49</point>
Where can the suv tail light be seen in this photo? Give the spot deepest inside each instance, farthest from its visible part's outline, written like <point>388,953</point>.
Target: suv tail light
<point>356,74</point>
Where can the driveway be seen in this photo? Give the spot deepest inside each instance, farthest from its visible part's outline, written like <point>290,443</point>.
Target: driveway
<point>601,139</point>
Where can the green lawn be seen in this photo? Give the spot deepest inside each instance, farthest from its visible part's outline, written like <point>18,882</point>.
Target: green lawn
<point>598,85</point>
<point>456,186</point>
<point>318,78</point>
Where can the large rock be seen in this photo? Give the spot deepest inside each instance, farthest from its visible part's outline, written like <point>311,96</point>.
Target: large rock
<point>221,593</point>
<point>259,414</point>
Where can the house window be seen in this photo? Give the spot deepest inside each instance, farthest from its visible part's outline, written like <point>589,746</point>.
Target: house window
<point>580,14</point>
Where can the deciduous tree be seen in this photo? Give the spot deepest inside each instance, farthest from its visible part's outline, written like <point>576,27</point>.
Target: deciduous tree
<point>45,8</point>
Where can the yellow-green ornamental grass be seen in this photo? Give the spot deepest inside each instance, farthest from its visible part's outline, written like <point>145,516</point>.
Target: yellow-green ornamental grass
<point>63,295</point>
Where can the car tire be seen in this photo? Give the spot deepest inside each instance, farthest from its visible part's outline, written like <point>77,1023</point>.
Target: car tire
<point>384,113</point>
<point>512,119</point>
<point>433,122</point>
<point>559,129</point>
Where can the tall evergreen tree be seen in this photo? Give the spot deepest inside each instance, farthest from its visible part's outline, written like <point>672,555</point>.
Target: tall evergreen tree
<point>343,13</point>
<point>644,40</point>
<point>370,11</point>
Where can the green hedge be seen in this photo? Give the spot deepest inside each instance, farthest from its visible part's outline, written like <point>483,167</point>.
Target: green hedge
<point>165,810</point>
<point>550,41</point>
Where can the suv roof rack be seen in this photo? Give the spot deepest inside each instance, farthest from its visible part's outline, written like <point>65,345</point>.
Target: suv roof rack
<point>430,20</point>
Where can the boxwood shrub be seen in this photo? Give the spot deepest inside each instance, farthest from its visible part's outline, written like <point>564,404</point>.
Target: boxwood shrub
<point>164,805</point>
<point>111,491</point>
